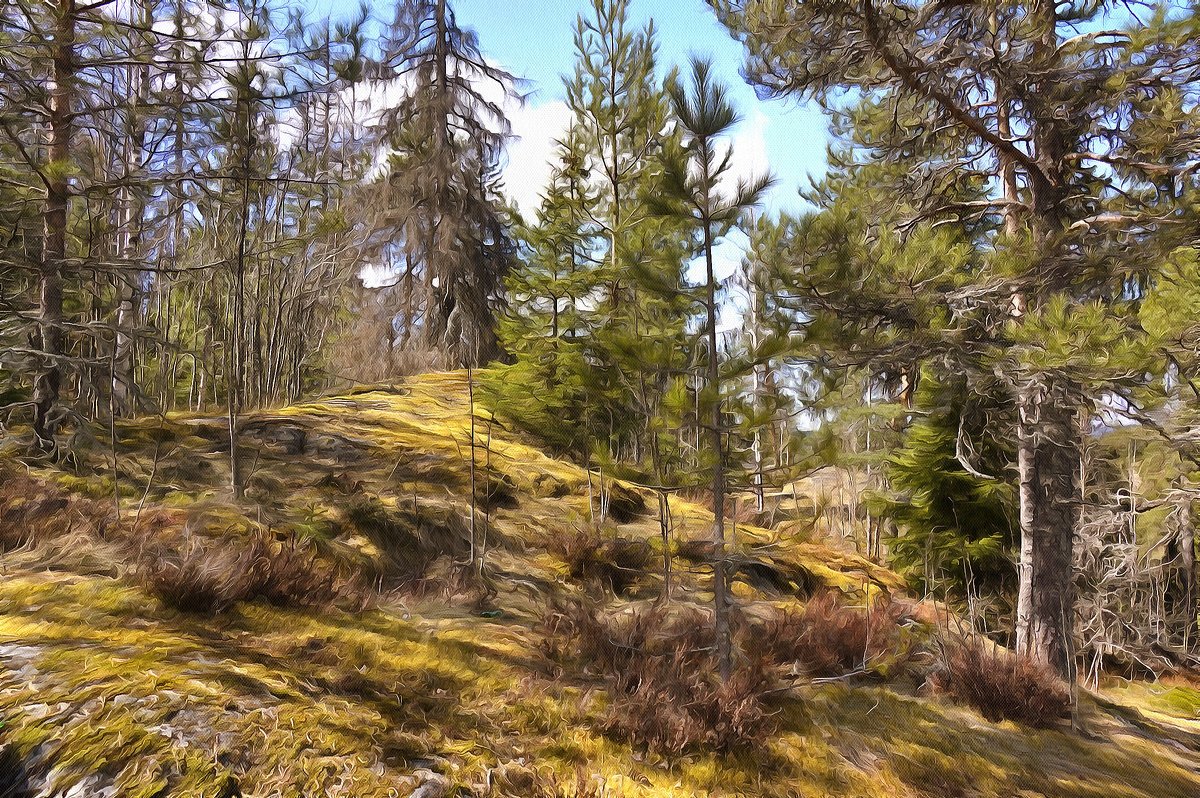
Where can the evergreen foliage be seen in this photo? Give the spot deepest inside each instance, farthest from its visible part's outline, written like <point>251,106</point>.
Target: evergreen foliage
<point>957,527</point>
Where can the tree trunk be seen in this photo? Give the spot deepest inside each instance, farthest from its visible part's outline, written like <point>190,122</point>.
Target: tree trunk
<point>1048,438</point>
<point>1180,596</point>
<point>123,359</point>
<point>1048,467</point>
<point>48,380</point>
<point>1187,551</point>
<point>236,377</point>
<point>721,604</point>
<point>664,528</point>
<point>131,211</point>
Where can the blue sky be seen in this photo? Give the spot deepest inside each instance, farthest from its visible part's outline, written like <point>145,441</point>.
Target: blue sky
<point>533,39</point>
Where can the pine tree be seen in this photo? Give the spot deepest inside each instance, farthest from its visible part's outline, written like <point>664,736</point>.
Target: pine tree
<point>957,77</point>
<point>620,115</point>
<point>693,181</point>
<point>615,266</point>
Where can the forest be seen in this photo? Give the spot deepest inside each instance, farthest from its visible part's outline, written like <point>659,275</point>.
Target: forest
<point>327,469</point>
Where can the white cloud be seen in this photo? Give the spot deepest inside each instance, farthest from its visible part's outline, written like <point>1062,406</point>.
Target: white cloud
<point>538,126</point>
<point>533,151</point>
<point>749,144</point>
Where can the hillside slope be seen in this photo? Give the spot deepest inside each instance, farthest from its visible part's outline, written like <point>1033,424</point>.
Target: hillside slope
<point>413,679</point>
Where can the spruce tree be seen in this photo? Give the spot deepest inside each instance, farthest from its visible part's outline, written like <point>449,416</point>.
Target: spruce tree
<point>546,326</point>
<point>447,132</point>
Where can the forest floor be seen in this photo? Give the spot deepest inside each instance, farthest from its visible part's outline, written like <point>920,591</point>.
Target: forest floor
<point>413,681</point>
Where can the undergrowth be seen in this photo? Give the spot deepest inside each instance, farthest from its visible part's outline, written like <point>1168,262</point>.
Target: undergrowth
<point>616,564</point>
<point>1001,685</point>
<point>211,575</point>
<point>829,638</point>
<point>33,512</point>
<point>661,675</point>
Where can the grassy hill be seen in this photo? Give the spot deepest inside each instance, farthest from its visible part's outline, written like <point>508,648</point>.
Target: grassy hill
<point>318,639</point>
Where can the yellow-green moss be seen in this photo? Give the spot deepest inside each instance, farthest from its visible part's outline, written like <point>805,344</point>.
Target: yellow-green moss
<point>305,703</point>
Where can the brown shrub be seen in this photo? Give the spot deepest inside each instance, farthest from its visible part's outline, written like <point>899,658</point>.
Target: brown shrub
<point>697,551</point>
<point>613,563</point>
<point>828,638</point>
<point>1001,685</point>
<point>202,577</point>
<point>211,575</point>
<point>33,511</point>
<point>661,675</point>
<point>290,574</point>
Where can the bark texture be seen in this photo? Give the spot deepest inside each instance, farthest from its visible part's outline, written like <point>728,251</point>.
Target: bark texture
<point>48,381</point>
<point>1048,467</point>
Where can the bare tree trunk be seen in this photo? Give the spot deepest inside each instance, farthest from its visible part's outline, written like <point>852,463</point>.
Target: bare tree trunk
<point>1180,594</point>
<point>123,359</point>
<point>724,644</point>
<point>471,415</point>
<point>664,528</point>
<point>759,381</point>
<point>236,377</point>
<point>48,380</point>
<point>1048,468</point>
<point>131,211</point>
<point>1187,552</point>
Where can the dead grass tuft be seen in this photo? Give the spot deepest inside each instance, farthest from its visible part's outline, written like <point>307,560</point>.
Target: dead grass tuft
<point>211,575</point>
<point>615,564</point>
<point>1001,685</point>
<point>828,638</point>
<point>661,675</point>
<point>33,511</point>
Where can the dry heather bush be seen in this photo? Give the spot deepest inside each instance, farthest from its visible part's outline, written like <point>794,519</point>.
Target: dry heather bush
<point>661,674</point>
<point>289,573</point>
<point>33,511</point>
<point>205,575</point>
<point>613,563</point>
<point>211,575</point>
<point>202,577</point>
<point>1001,685</point>
<point>828,638</point>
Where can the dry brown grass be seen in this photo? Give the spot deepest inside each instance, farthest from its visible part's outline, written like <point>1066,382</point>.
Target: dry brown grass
<point>516,780</point>
<point>33,511</point>
<point>615,564</point>
<point>211,575</point>
<point>829,638</point>
<point>1001,685</point>
<point>200,577</point>
<point>660,672</point>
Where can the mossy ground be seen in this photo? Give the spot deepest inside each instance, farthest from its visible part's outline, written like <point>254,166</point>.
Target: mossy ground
<point>103,687</point>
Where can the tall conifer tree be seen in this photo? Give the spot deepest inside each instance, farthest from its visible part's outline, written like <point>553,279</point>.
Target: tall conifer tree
<point>1011,102</point>
<point>448,131</point>
<point>693,180</point>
